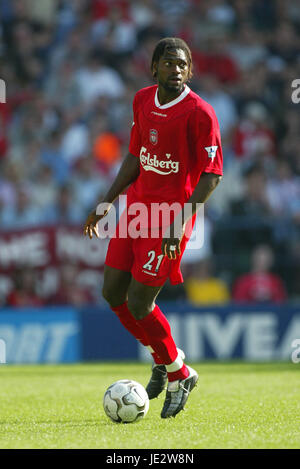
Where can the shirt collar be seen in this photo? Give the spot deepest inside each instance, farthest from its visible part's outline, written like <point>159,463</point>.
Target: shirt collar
<point>179,98</point>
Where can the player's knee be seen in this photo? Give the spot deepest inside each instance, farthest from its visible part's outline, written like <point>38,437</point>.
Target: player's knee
<point>138,307</point>
<point>111,295</point>
<point>107,293</point>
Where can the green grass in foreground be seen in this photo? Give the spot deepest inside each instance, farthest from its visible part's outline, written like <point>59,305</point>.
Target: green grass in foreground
<point>235,405</point>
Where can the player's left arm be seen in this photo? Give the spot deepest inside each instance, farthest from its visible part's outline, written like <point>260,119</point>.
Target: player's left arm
<point>206,185</point>
<point>204,132</point>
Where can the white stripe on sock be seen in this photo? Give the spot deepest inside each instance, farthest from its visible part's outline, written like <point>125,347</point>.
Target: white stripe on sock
<point>175,365</point>
<point>150,349</point>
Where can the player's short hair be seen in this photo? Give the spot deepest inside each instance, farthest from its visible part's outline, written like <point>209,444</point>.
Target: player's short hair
<point>171,43</point>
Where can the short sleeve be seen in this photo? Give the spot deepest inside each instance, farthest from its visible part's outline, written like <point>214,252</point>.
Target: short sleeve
<point>207,142</point>
<point>135,142</point>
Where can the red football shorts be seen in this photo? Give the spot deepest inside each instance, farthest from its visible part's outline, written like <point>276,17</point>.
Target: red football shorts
<point>143,257</point>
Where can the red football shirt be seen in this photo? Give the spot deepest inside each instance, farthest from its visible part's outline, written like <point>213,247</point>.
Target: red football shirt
<point>259,287</point>
<point>176,142</point>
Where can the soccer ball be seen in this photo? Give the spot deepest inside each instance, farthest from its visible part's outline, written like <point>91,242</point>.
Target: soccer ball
<point>126,401</point>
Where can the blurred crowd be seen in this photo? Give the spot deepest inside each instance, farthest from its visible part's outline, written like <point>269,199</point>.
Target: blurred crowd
<point>71,69</point>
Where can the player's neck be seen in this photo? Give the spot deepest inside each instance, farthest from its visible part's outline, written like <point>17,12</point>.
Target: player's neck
<point>165,96</point>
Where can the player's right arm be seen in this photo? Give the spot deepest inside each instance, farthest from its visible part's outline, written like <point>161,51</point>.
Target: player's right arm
<point>129,171</point>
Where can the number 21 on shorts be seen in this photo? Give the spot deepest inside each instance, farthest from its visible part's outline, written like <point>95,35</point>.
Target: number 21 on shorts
<point>153,262</point>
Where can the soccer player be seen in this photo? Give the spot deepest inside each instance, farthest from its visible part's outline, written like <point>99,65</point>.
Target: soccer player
<point>174,156</point>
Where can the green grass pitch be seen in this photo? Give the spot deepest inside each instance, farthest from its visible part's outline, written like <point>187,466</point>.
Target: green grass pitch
<point>236,405</point>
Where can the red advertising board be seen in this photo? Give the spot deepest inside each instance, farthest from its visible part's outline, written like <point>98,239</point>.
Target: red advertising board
<point>47,250</point>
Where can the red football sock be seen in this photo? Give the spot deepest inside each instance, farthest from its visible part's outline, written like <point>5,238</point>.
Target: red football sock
<point>158,331</point>
<point>131,324</point>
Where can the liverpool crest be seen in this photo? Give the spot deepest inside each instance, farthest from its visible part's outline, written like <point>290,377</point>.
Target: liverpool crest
<point>153,137</point>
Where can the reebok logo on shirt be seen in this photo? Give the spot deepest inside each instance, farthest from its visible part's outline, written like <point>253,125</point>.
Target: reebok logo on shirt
<point>152,163</point>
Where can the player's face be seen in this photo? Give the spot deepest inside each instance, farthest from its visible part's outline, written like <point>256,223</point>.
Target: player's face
<point>172,70</point>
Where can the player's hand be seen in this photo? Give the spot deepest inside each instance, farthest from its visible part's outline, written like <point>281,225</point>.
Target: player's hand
<point>90,226</point>
<point>171,245</point>
<point>96,215</point>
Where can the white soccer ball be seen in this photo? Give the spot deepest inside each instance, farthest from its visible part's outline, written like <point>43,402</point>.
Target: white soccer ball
<point>126,401</point>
